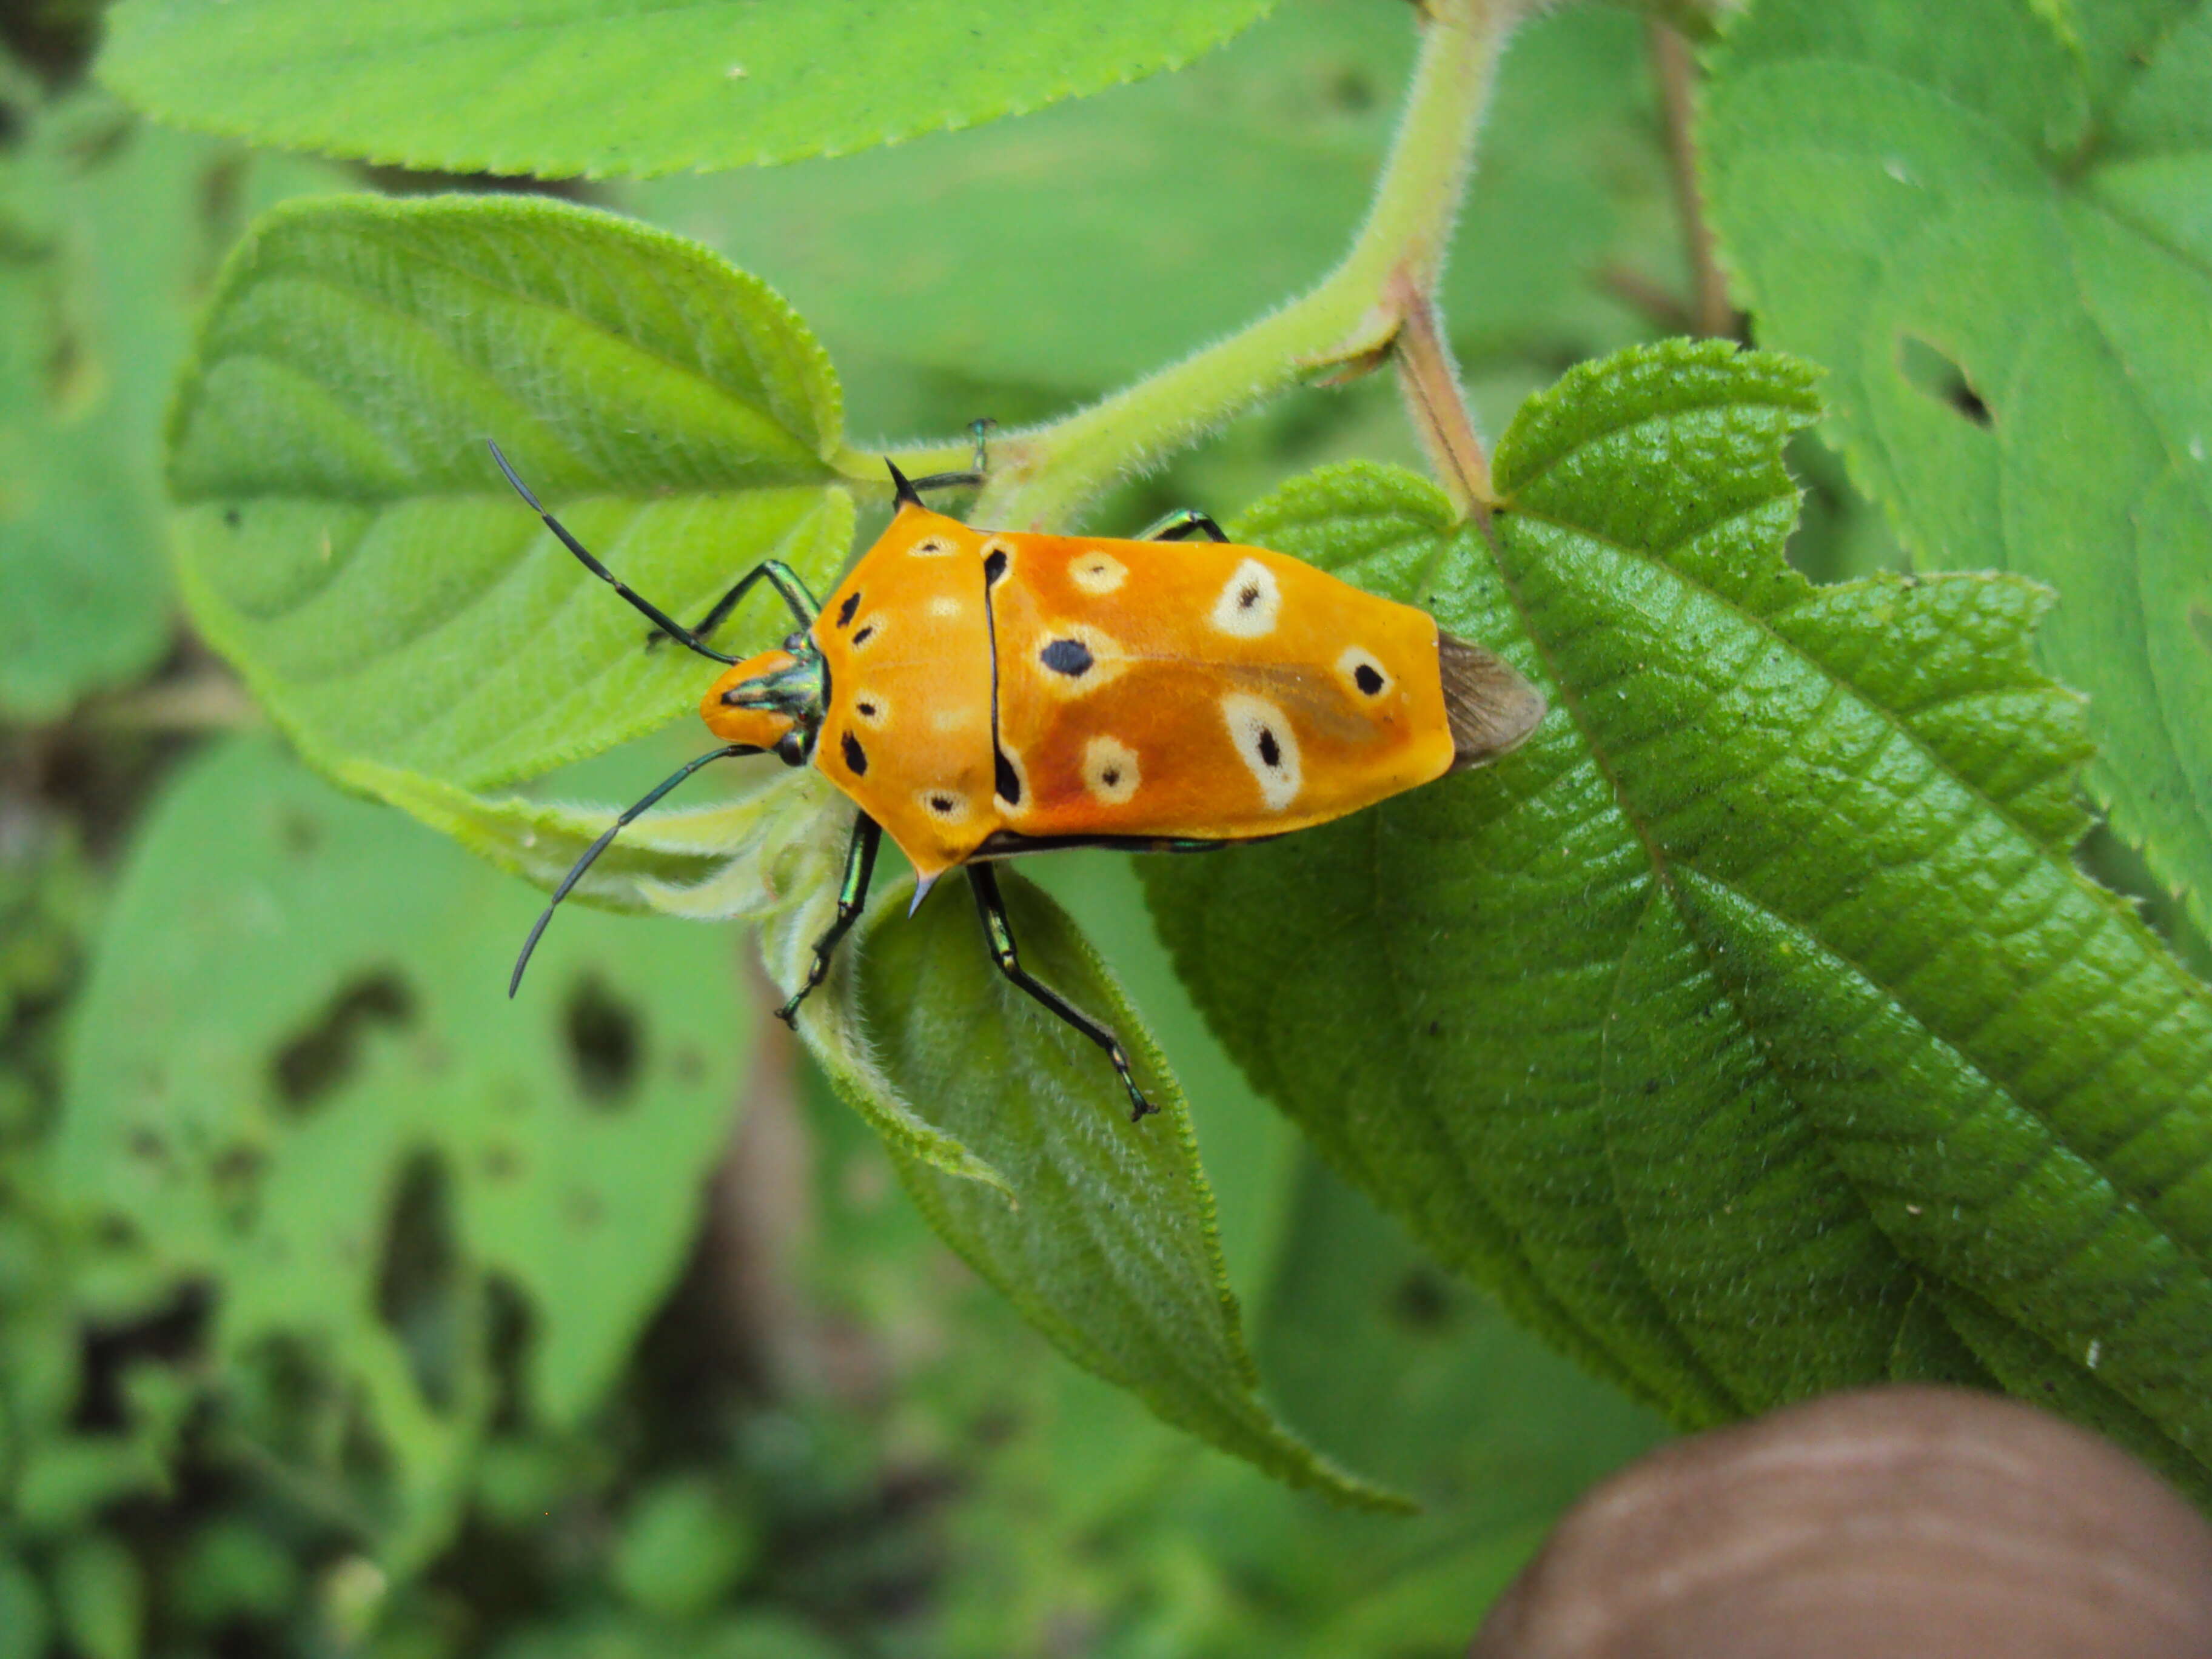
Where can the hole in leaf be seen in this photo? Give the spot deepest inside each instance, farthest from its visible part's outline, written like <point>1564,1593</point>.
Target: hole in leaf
<point>1935,374</point>
<point>167,1334</point>
<point>603,1045</point>
<point>312,1066</point>
<point>1421,1301</point>
<point>418,1287</point>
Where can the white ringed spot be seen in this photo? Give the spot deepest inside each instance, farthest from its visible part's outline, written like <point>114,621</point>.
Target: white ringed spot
<point>1364,673</point>
<point>1098,573</point>
<point>1110,772</point>
<point>1266,746</point>
<point>872,709</point>
<point>997,559</point>
<point>942,805</point>
<point>870,630</point>
<point>1249,603</point>
<point>933,547</point>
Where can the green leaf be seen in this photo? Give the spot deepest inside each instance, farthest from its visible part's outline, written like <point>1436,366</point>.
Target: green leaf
<point>107,228</point>
<point>1996,238</point>
<point>1109,1246</point>
<point>23,1617</point>
<point>295,1073</point>
<point>969,254</point>
<point>1750,1030</point>
<point>626,87</point>
<point>346,539</point>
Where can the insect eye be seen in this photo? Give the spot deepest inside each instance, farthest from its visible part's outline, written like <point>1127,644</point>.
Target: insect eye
<point>794,643</point>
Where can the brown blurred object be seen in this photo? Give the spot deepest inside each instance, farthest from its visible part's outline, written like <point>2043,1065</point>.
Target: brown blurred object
<point>1903,1522</point>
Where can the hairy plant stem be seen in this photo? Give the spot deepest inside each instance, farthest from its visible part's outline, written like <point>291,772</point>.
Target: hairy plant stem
<point>1348,325</point>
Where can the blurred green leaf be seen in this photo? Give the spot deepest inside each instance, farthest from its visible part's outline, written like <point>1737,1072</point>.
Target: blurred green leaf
<point>1997,240</point>
<point>24,1622</point>
<point>1109,1246</point>
<point>683,1547</point>
<point>100,1595</point>
<point>346,540</point>
<point>624,87</point>
<point>295,1073</point>
<point>1751,1031</point>
<point>1084,246</point>
<point>108,228</point>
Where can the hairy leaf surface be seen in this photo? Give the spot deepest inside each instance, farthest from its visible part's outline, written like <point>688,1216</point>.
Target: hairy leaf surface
<point>346,540</point>
<point>629,87</point>
<point>1110,1247</point>
<point>1995,233</point>
<point>1751,1030</point>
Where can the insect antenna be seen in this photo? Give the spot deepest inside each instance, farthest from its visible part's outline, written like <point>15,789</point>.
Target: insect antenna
<point>661,619</point>
<point>576,871</point>
<point>911,490</point>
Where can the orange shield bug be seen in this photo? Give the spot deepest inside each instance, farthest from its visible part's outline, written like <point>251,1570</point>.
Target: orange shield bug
<point>984,694</point>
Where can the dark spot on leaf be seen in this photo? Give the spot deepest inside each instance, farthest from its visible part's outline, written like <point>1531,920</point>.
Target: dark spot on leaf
<point>1367,680</point>
<point>1436,1028</point>
<point>308,1070</point>
<point>855,757</point>
<point>1069,657</point>
<point>302,835</point>
<point>501,1161</point>
<point>1009,784</point>
<point>604,1044</point>
<point>1933,373</point>
<point>146,1143</point>
<point>994,566</point>
<point>845,610</point>
<point>1271,753</point>
<point>2200,623</point>
<point>1421,1301</point>
<point>1352,91</point>
<point>865,634</point>
<point>231,517</point>
<point>585,1208</point>
<point>687,1065</point>
<point>418,1289</point>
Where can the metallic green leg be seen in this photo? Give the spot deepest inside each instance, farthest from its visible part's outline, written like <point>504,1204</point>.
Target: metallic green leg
<point>992,908</point>
<point>978,429</point>
<point>777,574</point>
<point>852,894</point>
<point>1183,521</point>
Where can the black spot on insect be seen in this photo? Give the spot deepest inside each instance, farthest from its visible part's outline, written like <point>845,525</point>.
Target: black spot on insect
<point>1270,752</point>
<point>942,803</point>
<point>1367,680</point>
<point>1009,784</point>
<point>1248,596</point>
<point>855,757</point>
<point>845,610</point>
<point>1110,776</point>
<point>866,707</point>
<point>1068,657</point>
<point>994,566</point>
<point>865,634</point>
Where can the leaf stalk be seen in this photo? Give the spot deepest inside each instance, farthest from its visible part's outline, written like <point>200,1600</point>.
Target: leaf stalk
<point>1348,324</point>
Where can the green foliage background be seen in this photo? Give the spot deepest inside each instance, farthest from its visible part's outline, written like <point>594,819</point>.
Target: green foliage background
<point>1753,1031</point>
